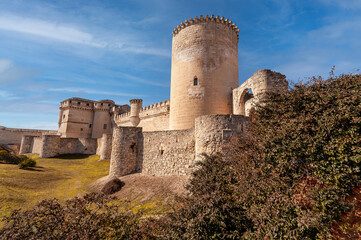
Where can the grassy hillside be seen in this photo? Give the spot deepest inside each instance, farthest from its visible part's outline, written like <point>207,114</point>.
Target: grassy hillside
<point>60,178</point>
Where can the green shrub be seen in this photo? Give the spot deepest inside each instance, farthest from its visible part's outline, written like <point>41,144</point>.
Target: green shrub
<point>212,210</point>
<point>27,163</point>
<point>93,216</point>
<point>289,180</point>
<point>8,158</point>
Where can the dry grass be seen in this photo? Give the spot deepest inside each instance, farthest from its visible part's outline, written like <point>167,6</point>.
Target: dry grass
<point>153,194</point>
<point>74,175</point>
<point>60,178</point>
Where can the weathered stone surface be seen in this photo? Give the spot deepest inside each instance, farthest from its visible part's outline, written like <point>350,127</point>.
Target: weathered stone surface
<point>106,146</point>
<point>83,118</point>
<point>167,152</point>
<point>53,145</point>
<point>152,118</point>
<point>124,150</point>
<point>252,90</point>
<point>167,138</point>
<point>26,144</point>
<point>212,131</point>
<point>50,146</point>
<point>204,72</point>
<point>14,135</point>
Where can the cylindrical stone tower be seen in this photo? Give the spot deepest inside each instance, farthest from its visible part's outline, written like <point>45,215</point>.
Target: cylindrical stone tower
<point>135,106</point>
<point>204,69</point>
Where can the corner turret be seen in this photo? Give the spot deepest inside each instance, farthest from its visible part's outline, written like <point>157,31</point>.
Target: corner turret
<point>135,107</point>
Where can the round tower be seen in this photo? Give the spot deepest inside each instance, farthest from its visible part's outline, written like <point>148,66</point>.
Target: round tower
<point>204,69</point>
<point>135,107</point>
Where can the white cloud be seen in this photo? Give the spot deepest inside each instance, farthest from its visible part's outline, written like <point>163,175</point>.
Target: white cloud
<point>346,4</point>
<point>346,32</point>
<point>7,96</point>
<point>141,80</point>
<point>71,34</point>
<point>9,72</point>
<point>92,91</point>
<point>47,29</point>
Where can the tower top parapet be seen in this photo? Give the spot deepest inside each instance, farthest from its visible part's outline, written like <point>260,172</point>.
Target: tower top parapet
<point>135,101</point>
<point>201,19</point>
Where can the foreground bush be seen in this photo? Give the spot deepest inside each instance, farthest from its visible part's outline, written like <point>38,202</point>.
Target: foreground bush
<point>8,158</point>
<point>212,210</point>
<point>290,180</point>
<point>22,160</point>
<point>92,217</point>
<point>27,163</point>
<point>313,132</point>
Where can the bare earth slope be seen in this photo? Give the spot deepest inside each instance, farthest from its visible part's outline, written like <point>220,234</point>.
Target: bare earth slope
<point>144,188</point>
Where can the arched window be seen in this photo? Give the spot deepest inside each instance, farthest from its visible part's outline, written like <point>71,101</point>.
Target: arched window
<point>195,81</point>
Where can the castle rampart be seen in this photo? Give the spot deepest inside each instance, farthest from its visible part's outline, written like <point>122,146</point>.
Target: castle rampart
<point>152,118</point>
<point>206,19</point>
<point>12,136</point>
<point>167,152</point>
<point>124,150</point>
<point>50,146</point>
<point>54,145</point>
<point>105,149</point>
<point>172,152</point>
<point>206,109</point>
<point>212,131</point>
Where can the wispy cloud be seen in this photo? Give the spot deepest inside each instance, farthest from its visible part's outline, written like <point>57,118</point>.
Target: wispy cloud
<point>7,96</point>
<point>140,80</point>
<point>345,32</point>
<point>346,4</point>
<point>336,44</point>
<point>73,34</point>
<point>92,91</point>
<point>279,15</point>
<point>9,72</point>
<point>47,29</point>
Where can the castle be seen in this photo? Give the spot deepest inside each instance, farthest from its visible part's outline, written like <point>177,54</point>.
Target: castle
<point>206,108</point>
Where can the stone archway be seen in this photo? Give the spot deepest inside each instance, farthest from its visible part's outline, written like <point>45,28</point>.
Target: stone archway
<point>245,101</point>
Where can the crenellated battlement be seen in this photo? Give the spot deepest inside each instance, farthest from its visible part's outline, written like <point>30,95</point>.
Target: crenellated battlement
<point>145,109</point>
<point>154,106</point>
<point>135,101</point>
<point>85,104</point>
<point>123,115</point>
<point>201,19</point>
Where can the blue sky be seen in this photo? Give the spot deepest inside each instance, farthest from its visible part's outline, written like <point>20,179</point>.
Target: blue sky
<point>54,50</point>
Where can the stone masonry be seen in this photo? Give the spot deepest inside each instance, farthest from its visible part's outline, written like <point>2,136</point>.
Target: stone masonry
<point>207,108</point>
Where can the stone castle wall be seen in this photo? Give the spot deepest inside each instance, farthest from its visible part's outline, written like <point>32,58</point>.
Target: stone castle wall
<point>172,152</point>
<point>83,118</point>
<point>36,146</point>
<point>14,135</point>
<point>50,146</point>
<point>152,118</point>
<point>124,156</point>
<point>54,145</point>
<point>167,152</point>
<point>105,146</point>
<point>251,91</point>
<point>212,131</point>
